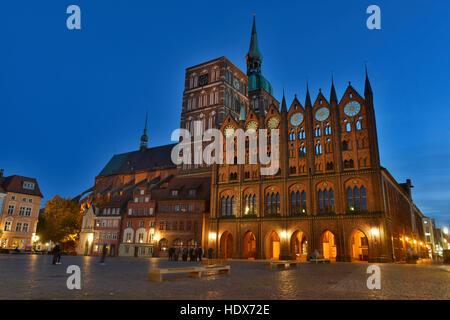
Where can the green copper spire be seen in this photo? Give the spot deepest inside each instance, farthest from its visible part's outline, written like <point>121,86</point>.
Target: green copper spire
<point>256,80</point>
<point>254,50</point>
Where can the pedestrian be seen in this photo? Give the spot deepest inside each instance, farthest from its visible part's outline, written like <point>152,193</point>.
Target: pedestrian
<point>185,254</point>
<point>200,254</point>
<point>210,253</point>
<point>104,252</point>
<point>191,254</point>
<point>194,254</point>
<point>56,254</point>
<point>170,254</point>
<point>177,252</point>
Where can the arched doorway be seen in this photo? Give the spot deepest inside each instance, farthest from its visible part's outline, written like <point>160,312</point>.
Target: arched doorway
<point>359,246</point>
<point>249,250</point>
<point>328,245</point>
<point>273,246</point>
<point>299,246</point>
<point>226,245</point>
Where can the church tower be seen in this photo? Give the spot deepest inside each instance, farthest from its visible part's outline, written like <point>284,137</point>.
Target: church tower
<point>260,90</point>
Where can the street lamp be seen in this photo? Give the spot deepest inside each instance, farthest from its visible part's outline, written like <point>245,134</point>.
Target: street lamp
<point>445,230</point>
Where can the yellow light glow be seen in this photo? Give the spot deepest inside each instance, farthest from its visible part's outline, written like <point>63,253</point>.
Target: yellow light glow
<point>415,241</point>
<point>421,243</point>
<point>156,237</point>
<point>406,238</point>
<point>212,235</point>
<point>445,230</point>
<point>90,238</point>
<point>246,210</point>
<point>284,234</point>
<point>375,232</point>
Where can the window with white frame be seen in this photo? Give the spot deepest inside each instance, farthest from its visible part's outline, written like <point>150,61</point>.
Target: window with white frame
<point>25,227</point>
<point>28,185</point>
<point>22,211</point>
<point>7,226</point>
<point>28,211</point>
<point>18,226</point>
<point>11,209</point>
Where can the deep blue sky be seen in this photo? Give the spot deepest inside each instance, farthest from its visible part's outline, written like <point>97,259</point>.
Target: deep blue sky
<point>71,99</point>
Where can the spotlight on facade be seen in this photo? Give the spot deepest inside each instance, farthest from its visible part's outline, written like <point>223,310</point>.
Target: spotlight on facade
<point>421,243</point>
<point>284,234</point>
<point>375,232</point>
<point>212,236</point>
<point>414,241</point>
<point>445,230</point>
<point>406,238</point>
<point>246,210</point>
<point>90,238</point>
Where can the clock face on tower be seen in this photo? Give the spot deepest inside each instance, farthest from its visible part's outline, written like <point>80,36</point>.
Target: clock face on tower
<point>273,123</point>
<point>252,126</point>
<point>229,130</point>
<point>322,114</point>
<point>296,119</point>
<point>352,108</point>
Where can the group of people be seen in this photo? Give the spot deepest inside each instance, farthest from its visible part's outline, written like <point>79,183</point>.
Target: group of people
<point>194,254</point>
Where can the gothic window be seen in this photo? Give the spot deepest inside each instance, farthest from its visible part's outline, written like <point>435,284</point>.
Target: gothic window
<point>345,145</point>
<point>358,125</point>
<point>349,164</point>
<point>301,133</point>
<point>329,165</point>
<point>291,135</point>
<point>357,198</point>
<point>292,170</point>
<point>318,147</point>
<point>298,202</point>
<point>317,132</point>
<point>348,127</point>
<point>326,200</point>
<point>273,203</point>
<point>250,204</point>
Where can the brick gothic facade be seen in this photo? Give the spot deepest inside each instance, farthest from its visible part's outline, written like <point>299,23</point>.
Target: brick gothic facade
<point>330,194</point>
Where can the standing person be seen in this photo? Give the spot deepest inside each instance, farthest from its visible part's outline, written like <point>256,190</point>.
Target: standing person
<point>210,253</point>
<point>185,253</point>
<point>177,252</point>
<point>191,254</point>
<point>200,254</point>
<point>194,254</point>
<point>104,251</point>
<point>170,254</point>
<point>56,254</point>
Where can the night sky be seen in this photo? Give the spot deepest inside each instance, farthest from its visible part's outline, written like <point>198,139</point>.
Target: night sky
<point>71,99</point>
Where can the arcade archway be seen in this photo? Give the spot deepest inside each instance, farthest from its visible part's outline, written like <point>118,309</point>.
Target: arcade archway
<point>328,245</point>
<point>359,246</point>
<point>249,246</point>
<point>273,246</point>
<point>299,246</point>
<point>226,245</point>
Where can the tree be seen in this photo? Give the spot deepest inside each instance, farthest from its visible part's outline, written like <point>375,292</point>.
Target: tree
<point>60,221</point>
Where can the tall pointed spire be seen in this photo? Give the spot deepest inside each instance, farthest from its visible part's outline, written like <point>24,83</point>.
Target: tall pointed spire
<point>283,104</point>
<point>333,97</point>
<point>368,88</point>
<point>144,137</point>
<point>254,49</point>
<point>254,56</point>
<point>308,98</point>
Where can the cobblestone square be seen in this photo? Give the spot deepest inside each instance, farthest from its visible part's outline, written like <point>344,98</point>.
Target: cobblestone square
<point>34,277</point>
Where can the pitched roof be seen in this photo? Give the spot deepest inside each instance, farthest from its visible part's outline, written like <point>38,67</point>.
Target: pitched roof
<point>148,159</point>
<point>15,183</point>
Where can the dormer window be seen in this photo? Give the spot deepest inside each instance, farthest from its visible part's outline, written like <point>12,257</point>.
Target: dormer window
<point>28,185</point>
